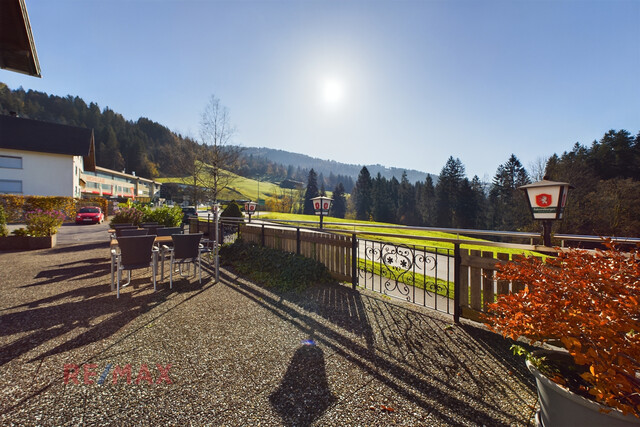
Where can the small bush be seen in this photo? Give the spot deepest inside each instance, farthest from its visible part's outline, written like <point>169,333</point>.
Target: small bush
<point>126,216</point>
<point>20,232</point>
<point>232,211</point>
<point>275,269</point>
<point>43,223</point>
<point>165,215</point>
<point>3,222</point>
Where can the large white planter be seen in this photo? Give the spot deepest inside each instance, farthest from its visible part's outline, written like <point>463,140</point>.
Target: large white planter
<point>561,407</point>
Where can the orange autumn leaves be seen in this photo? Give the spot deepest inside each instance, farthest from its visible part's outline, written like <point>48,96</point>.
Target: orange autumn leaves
<point>589,302</point>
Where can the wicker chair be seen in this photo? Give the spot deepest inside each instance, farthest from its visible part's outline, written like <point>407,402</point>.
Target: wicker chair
<point>186,249</point>
<point>128,232</point>
<point>135,252</point>
<point>168,231</point>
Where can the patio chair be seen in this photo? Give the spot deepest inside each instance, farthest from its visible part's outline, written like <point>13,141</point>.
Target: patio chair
<point>135,252</point>
<point>153,228</point>
<point>116,227</point>
<point>128,232</point>
<point>186,250</point>
<point>119,230</point>
<point>168,231</point>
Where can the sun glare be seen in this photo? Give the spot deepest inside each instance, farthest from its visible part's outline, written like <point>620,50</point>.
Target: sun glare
<point>332,92</point>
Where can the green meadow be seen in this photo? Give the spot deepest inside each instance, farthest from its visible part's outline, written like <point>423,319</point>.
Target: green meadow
<point>241,188</point>
<point>413,237</point>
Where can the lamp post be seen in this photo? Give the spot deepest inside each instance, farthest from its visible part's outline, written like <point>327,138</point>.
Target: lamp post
<point>321,205</point>
<point>215,208</point>
<point>547,200</point>
<point>250,208</point>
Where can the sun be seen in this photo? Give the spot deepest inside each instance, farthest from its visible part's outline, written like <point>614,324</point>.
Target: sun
<point>332,92</point>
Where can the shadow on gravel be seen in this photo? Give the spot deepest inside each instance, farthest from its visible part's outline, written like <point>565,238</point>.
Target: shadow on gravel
<point>76,248</point>
<point>303,395</point>
<point>78,270</point>
<point>53,316</point>
<point>449,371</point>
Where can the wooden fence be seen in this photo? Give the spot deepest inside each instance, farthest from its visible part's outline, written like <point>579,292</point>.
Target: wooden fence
<point>478,286</point>
<point>332,250</point>
<point>474,280</point>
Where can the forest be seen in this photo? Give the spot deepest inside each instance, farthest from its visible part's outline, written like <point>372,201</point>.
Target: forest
<point>605,174</point>
<point>605,200</point>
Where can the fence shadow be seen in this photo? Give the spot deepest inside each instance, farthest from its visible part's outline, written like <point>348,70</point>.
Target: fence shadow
<point>424,358</point>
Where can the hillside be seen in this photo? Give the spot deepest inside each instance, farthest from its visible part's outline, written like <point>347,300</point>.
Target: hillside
<point>327,167</point>
<point>241,188</point>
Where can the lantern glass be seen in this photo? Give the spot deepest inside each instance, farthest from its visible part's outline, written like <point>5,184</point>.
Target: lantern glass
<point>547,199</point>
<point>250,207</point>
<point>321,205</point>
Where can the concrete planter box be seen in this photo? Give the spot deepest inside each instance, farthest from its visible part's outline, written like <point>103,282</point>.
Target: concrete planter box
<point>27,242</point>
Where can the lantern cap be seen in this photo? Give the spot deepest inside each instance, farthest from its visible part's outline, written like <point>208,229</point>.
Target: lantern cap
<point>545,183</point>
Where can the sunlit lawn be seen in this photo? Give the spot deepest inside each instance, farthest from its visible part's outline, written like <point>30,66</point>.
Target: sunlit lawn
<point>331,223</point>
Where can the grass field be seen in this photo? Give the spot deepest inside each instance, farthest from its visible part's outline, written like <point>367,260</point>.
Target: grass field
<point>241,188</point>
<point>364,226</point>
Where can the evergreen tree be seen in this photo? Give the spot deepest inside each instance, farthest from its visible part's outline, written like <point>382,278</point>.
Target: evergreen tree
<point>407,213</point>
<point>448,191</point>
<point>339,206</point>
<point>510,210</point>
<point>312,191</point>
<point>382,207</point>
<point>363,196</point>
<point>426,201</point>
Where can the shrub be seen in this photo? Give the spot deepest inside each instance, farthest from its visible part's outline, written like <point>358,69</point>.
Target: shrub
<point>232,211</point>
<point>20,232</point>
<point>43,223</point>
<point>588,301</point>
<point>3,222</point>
<point>164,215</point>
<point>275,269</point>
<point>127,215</point>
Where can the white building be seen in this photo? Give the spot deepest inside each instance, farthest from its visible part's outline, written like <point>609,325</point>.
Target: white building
<point>42,158</point>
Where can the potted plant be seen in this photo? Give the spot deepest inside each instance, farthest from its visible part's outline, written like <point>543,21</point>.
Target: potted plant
<point>40,233</point>
<point>589,302</point>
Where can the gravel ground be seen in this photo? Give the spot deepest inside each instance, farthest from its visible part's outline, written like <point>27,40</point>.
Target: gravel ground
<point>234,354</point>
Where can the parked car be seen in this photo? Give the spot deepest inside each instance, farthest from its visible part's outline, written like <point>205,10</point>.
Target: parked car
<point>188,212</point>
<point>89,215</point>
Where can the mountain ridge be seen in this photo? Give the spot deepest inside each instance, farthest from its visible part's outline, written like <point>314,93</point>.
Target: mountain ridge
<point>326,167</point>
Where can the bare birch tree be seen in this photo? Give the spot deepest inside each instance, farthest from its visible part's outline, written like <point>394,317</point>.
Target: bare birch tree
<point>216,133</point>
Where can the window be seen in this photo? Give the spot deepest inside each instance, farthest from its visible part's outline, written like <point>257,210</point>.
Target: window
<point>10,186</point>
<point>11,162</point>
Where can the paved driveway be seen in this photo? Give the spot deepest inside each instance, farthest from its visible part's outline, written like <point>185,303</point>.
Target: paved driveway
<point>71,233</point>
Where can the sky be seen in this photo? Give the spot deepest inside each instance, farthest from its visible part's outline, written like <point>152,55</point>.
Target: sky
<point>399,83</point>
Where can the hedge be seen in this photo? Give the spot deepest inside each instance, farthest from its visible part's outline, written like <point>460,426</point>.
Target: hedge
<point>15,206</point>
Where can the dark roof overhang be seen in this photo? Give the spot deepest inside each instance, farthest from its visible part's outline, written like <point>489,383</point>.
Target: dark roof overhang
<point>17,48</point>
<point>44,137</point>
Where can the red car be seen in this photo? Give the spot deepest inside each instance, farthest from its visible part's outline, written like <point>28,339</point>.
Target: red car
<point>89,215</point>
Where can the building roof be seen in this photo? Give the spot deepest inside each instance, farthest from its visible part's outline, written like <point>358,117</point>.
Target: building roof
<point>17,48</point>
<point>17,133</point>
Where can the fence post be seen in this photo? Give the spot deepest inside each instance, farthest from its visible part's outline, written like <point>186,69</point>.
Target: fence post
<point>298,240</point>
<point>262,234</point>
<point>456,282</point>
<point>354,261</point>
